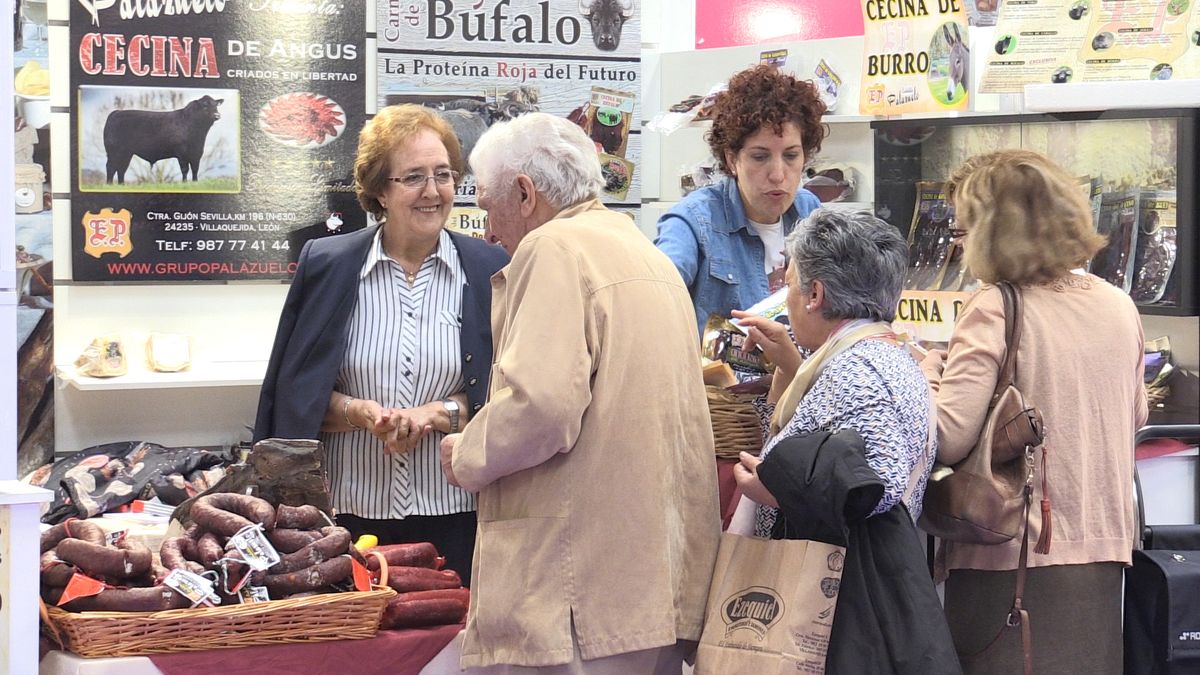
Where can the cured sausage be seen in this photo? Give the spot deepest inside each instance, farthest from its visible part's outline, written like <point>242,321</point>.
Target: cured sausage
<point>334,542</point>
<point>307,517</point>
<point>152,599</point>
<point>55,572</point>
<point>72,528</point>
<point>225,512</point>
<point>426,608</point>
<point>127,559</point>
<point>406,579</point>
<point>308,579</point>
<point>179,553</point>
<point>423,554</point>
<point>209,549</point>
<point>286,540</point>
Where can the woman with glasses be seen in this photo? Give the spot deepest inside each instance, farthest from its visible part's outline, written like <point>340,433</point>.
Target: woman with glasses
<point>1080,361</point>
<point>384,344</point>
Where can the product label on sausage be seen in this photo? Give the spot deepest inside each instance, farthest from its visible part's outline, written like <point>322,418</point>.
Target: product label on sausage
<point>252,594</point>
<point>254,547</point>
<point>192,586</point>
<point>115,537</point>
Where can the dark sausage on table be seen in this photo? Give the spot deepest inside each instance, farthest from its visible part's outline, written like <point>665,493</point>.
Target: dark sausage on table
<point>286,540</point>
<point>73,528</point>
<point>128,559</point>
<point>308,579</point>
<point>226,513</point>
<point>406,579</point>
<point>423,554</point>
<point>307,517</point>
<point>209,549</point>
<point>152,599</point>
<point>334,542</point>
<point>180,553</point>
<point>426,608</point>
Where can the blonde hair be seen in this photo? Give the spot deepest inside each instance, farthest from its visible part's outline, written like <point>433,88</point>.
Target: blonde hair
<point>1028,220</point>
<point>390,128</point>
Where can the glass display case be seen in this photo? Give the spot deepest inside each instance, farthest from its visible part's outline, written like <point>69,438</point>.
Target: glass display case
<point>1138,168</point>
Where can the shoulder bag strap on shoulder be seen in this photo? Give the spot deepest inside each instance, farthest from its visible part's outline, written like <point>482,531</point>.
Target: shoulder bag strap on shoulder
<point>1012,336</point>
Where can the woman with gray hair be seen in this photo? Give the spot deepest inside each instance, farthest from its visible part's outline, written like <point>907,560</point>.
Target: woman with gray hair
<point>858,400</point>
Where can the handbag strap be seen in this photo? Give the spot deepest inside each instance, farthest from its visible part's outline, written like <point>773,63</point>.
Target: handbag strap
<point>1012,336</point>
<point>1018,616</point>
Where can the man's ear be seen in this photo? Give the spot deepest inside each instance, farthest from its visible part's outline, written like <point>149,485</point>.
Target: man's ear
<point>526,194</point>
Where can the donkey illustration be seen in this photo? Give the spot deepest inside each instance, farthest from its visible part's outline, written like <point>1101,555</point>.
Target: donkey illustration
<point>960,61</point>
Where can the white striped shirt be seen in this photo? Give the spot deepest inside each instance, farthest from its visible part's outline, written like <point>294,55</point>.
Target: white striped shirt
<point>403,350</point>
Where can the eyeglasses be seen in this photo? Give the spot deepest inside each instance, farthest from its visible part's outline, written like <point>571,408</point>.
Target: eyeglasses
<point>416,181</point>
<point>957,235</point>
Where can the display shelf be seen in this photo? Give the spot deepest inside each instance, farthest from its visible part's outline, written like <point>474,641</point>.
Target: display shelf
<point>213,374</point>
<point>1135,95</point>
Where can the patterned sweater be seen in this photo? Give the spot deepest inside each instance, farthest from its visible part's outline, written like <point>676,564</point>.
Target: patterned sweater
<point>875,388</point>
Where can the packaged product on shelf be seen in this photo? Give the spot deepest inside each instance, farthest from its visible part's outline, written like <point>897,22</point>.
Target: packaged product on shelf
<point>609,117</point>
<point>169,353</point>
<point>1156,246</point>
<point>104,357</point>
<point>618,175</point>
<point>929,237</point>
<point>1118,222</point>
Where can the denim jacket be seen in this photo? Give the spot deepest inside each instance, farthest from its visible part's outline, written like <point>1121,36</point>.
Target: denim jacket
<point>708,237</point>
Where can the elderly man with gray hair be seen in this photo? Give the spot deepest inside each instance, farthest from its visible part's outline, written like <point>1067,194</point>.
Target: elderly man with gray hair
<point>593,458</point>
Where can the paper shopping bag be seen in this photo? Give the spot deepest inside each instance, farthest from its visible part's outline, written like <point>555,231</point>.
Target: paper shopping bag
<point>770,606</point>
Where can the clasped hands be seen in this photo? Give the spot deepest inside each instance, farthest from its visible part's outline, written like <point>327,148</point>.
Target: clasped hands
<point>400,429</point>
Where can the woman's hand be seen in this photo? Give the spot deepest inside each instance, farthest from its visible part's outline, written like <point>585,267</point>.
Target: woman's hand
<point>746,474</point>
<point>773,338</point>
<point>406,427</point>
<point>933,364</point>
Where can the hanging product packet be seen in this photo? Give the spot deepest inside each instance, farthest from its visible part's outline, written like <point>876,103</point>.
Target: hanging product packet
<point>1156,246</point>
<point>1119,222</point>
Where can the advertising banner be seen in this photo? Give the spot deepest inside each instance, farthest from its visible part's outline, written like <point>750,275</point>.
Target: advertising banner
<point>916,57</point>
<point>211,140</point>
<point>1058,41</point>
<point>484,61</point>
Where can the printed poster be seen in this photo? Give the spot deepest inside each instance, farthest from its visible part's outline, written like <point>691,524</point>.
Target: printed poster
<point>916,57</point>
<point>211,140</point>
<point>1058,41</point>
<point>484,61</point>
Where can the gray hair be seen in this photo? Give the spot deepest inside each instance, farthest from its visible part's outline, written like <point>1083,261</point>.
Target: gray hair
<point>859,258</point>
<point>554,152</point>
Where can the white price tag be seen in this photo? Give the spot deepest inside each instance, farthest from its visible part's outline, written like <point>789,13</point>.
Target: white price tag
<point>258,553</point>
<point>192,586</point>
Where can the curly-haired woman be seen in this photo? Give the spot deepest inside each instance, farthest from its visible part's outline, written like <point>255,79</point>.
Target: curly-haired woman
<point>727,239</point>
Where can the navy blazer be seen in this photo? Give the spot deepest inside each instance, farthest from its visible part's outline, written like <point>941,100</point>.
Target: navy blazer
<point>314,325</point>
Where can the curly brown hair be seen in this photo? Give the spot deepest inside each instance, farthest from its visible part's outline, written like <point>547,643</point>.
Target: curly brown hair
<point>765,96</point>
<point>383,133</point>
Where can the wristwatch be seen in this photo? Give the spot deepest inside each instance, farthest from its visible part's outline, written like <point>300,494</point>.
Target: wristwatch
<point>452,409</point>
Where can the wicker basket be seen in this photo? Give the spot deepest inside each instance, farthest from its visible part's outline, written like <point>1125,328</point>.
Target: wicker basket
<point>330,616</point>
<point>735,423</point>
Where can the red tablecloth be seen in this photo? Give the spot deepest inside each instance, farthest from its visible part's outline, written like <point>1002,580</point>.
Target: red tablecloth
<point>391,652</point>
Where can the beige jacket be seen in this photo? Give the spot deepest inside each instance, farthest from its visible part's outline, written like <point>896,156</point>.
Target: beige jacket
<point>1080,361</point>
<point>594,455</point>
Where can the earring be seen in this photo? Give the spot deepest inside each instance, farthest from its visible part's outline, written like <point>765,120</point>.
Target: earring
<point>809,307</point>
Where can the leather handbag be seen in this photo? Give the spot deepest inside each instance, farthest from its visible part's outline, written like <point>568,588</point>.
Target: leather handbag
<point>982,499</point>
